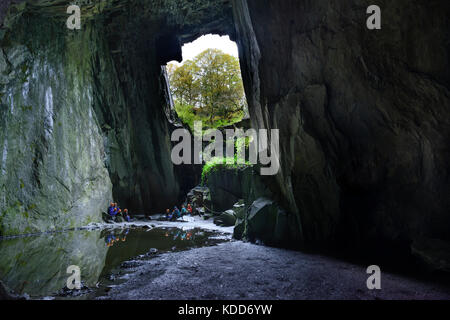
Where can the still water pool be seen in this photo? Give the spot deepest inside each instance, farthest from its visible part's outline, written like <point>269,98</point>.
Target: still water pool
<point>37,265</point>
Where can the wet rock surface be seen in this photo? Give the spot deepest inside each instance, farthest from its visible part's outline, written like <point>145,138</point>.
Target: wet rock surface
<point>239,270</point>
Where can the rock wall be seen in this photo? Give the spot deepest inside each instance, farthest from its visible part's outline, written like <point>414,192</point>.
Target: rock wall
<point>72,125</point>
<point>83,111</point>
<point>229,185</point>
<point>259,218</point>
<point>130,105</point>
<point>52,155</point>
<point>363,115</point>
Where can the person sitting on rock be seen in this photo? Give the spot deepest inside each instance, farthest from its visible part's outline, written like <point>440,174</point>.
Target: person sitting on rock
<point>176,213</point>
<point>189,209</point>
<point>116,210</point>
<point>126,216</point>
<point>168,215</point>
<point>183,211</point>
<point>111,209</point>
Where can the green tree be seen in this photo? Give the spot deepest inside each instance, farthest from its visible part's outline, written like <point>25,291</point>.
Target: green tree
<point>209,87</point>
<point>183,83</point>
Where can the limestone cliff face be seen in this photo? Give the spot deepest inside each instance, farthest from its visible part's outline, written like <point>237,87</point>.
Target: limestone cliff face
<point>363,115</point>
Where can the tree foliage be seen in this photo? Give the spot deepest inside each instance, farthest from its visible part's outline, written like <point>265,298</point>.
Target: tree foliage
<point>208,88</point>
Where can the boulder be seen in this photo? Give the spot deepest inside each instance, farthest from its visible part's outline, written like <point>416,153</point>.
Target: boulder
<point>199,197</point>
<point>226,219</point>
<point>239,229</point>
<point>267,222</point>
<point>239,209</point>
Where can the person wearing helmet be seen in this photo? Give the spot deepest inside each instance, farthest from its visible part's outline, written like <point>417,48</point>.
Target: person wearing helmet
<point>175,214</point>
<point>111,209</point>
<point>126,216</point>
<point>183,211</point>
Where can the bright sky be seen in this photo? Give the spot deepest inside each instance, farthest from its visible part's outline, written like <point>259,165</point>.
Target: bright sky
<point>192,49</point>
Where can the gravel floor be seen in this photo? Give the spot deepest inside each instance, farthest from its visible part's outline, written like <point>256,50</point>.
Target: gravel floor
<point>237,270</point>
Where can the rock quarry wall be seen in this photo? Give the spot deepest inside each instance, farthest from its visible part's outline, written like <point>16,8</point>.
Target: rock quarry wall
<point>363,114</point>
<point>83,121</point>
<point>53,170</point>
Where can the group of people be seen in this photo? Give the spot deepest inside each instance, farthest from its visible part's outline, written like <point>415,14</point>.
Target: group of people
<point>177,213</point>
<point>115,211</point>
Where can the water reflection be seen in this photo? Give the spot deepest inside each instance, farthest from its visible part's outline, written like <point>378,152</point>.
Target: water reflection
<point>181,234</point>
<point>37,265</point>
<point>115,237</point>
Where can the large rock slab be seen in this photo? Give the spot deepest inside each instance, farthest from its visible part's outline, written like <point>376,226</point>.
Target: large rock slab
<point>226,219</point>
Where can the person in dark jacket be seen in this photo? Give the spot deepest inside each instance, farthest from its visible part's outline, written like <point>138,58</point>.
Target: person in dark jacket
<point>176,213</point>
<point>126,216</point>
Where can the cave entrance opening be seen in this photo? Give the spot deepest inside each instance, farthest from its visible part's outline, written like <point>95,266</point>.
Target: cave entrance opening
<point>207,85</point>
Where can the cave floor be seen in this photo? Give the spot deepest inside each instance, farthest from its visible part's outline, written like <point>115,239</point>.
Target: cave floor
<point>238,270</point>
<point>189,260</point>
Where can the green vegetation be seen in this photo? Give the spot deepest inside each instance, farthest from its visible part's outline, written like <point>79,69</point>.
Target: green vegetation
<point>209,89</point>
<point>217,163</point>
